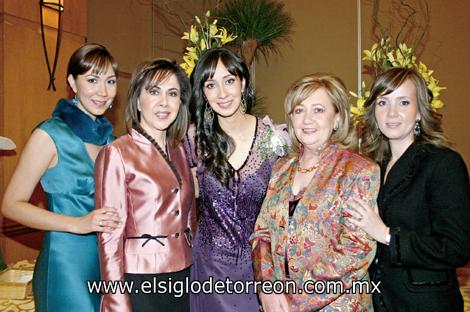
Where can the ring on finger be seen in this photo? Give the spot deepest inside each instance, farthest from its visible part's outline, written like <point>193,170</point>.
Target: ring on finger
<point>101,223</point>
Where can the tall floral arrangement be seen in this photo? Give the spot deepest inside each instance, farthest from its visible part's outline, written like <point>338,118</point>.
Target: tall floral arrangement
<point>383,55</point>
<point>201,36</point>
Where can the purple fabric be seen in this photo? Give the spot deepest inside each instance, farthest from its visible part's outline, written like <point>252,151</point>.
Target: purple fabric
<point>228,214</point>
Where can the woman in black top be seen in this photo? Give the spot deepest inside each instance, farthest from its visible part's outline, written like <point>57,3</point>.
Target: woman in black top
<point>423,220</point>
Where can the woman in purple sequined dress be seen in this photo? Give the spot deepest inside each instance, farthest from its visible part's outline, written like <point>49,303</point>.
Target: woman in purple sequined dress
<point>235,153</point>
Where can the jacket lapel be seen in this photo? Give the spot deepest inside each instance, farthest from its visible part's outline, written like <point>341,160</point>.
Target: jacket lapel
<point>401,174</point>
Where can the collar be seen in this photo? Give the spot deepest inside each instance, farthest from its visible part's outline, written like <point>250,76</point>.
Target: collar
<point>96,131</point>
<point>402,172</point>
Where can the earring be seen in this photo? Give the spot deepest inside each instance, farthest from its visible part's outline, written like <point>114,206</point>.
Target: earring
<point>110,106</point>
<point>417,129</point>
<point>208,113</point>
<point>243,104</point>
<point>75,100</point>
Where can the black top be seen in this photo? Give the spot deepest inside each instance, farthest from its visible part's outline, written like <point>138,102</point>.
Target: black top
<point>426,203</point>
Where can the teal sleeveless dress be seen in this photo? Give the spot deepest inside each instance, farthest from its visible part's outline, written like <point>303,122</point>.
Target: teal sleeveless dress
<point>67,261</point>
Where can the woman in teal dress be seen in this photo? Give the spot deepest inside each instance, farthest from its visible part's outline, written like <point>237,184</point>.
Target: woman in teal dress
<point>60,154</point>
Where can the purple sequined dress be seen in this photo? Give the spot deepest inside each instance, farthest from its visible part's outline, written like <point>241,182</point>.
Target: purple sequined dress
<point>228,214</point>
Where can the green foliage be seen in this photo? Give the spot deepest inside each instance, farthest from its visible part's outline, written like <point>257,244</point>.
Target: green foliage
<point>262,20</point>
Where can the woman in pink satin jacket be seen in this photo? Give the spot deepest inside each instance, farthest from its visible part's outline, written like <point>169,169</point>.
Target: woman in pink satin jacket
<point>145,175</point>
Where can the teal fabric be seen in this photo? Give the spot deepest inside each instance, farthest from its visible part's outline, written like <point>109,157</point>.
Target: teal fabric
<point>95,131</point>
<point>3,266</point>
<point>67,261</point>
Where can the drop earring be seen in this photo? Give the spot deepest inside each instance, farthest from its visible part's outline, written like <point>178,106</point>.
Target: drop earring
<point>243,104</point>
<point>208,113</point>
<point>75,100</point>
<point>417,129</point>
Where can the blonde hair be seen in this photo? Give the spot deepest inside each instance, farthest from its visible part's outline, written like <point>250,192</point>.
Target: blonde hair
<point>301,89</point>
<point>375,144</point>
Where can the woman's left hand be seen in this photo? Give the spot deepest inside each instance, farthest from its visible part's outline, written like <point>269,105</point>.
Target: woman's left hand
<point>367,218</point>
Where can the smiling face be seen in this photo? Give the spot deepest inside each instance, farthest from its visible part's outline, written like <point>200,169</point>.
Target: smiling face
<point>224,91</point>
<point>396,113</point>
<point>95,92</point>
<point>314,119</point>
<point>159,105</point>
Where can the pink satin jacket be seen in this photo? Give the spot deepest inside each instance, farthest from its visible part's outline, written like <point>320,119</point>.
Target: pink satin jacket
<point>156,204</point>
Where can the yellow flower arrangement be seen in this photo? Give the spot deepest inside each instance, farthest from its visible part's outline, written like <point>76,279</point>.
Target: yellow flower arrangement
<point>202,36</point>
<point>383,57</point>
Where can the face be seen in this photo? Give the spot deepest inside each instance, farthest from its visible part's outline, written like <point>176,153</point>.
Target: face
<point>224,92</point>
<point>396,113</point>
<point>94,92</point>
<point>159,106</point>
<point>314,119</point>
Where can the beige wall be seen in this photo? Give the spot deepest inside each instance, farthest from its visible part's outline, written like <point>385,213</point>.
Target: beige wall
<point>324,40</point>
<point>127,33</point>
<point>448,53</point>
<point>24,98</point>
<point>135,31</point>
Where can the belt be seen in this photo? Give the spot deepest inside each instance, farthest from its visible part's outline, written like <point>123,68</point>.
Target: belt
<point>149,237</point>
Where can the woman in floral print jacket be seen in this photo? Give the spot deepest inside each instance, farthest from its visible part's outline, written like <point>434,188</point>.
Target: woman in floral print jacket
<point>302,233</point>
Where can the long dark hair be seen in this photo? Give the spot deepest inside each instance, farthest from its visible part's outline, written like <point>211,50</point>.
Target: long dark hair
<point>213,145</point>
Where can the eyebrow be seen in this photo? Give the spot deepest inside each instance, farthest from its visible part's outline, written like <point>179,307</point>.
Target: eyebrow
<point>226,76</point>
<point>400,97</point>
<point>159,88</point>
<point>403,97</point>
<point>97,76</point>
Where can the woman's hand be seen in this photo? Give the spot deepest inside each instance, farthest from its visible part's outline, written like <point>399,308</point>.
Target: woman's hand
<point>367,218</point>
<point>99,220</point>
<point>274,302</point>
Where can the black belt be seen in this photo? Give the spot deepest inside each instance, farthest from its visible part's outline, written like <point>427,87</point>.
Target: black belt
<point>149,237</point>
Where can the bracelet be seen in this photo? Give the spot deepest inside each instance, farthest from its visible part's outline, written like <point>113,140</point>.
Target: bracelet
<point>388,238</point>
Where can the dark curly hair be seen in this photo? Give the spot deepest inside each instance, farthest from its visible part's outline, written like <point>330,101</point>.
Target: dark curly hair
<point>213,145</point>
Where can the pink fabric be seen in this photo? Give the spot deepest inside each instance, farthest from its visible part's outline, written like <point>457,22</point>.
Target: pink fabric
<point>133,177</point>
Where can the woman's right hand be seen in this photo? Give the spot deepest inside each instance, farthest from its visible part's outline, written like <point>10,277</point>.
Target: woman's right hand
<point>99,220</point>
<point>274,302</point>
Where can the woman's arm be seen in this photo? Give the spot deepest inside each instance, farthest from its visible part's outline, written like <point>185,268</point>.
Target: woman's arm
<point>111,190</point>
<point>448,244</point>
<point>350,249</point>
<point>263,265</point>
<point>190,150</point>
<point>260,241</point>
<point>38,155</point>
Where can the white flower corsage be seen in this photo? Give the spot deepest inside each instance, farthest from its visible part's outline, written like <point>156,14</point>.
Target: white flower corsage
<point>277,138</point>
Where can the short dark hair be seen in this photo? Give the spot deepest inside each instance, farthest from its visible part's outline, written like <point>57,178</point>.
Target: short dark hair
<point>91,56</point>
<point>149,74</point>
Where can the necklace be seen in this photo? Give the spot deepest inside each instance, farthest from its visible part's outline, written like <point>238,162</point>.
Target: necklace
<point>307,170</point>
